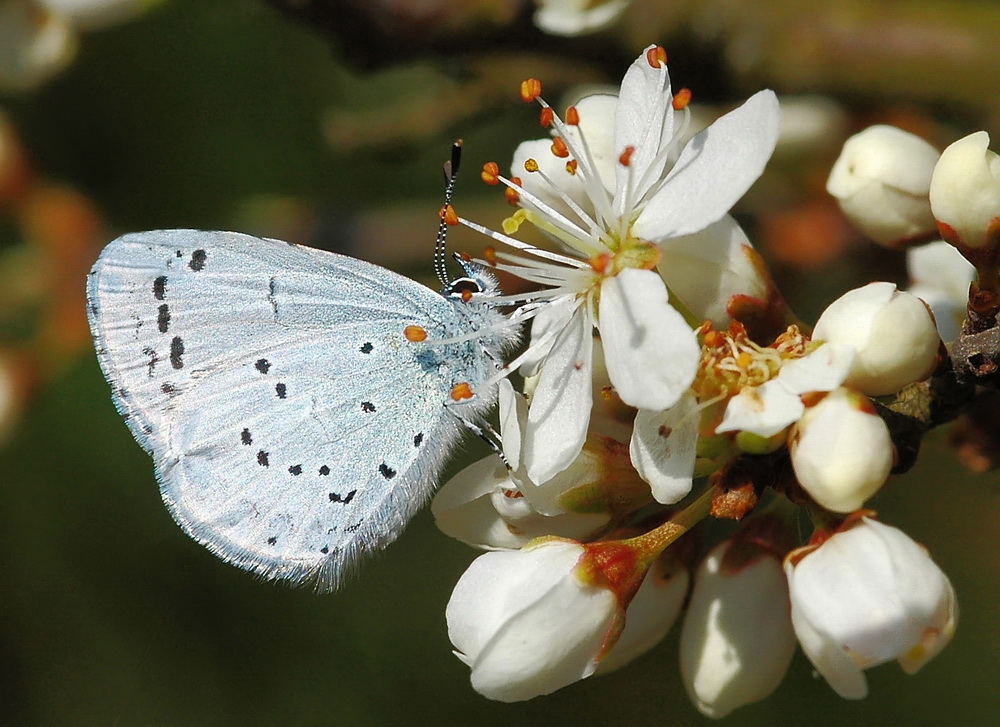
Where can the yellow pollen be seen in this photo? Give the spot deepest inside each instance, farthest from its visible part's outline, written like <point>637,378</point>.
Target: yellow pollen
<point>530,165</point>
<point>571,166</point>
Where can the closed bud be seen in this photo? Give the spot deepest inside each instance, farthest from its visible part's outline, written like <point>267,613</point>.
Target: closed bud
<point>531,621</point>
<point>737,638</point>
<point>841,451</point>
<point>965,192</point>
<point>865,596</point>
<point>892,333</point>
<point>881,182</point>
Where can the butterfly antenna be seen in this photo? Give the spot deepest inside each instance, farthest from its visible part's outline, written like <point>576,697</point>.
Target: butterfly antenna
<point>450,174</point>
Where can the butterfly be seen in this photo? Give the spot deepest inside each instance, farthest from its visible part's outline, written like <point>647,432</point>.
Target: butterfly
<point>298,404</point>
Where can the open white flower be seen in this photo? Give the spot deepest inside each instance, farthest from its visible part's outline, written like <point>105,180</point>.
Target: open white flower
<point>868,595</point>
<point>614,188</point>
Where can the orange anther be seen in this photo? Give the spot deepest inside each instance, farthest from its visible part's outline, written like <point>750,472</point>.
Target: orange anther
<point>626,156</point>
<point>656,56</point>
<point>513,494</point>
<point>681,99</point>
<point>449,215</point>
<point>530,165</point>
<point>744,360</point>
<point>572,116</point>
<point>545,118</point>
<point>490,173</point>
<point>416,334</point>
<point>571,166</point>
<point>490,255</point>
<point>531,89</point>
<point>461,391</point>
<point>511,193</point>
<point>559,148</point>
<point>600,263</point>
<point>466,296</point>
<point>713,338</point>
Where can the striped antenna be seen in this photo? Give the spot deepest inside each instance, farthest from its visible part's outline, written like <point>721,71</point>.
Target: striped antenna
<point>450,174</point>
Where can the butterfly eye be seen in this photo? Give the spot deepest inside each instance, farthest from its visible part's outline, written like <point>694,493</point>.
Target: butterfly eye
<point>464,288</point>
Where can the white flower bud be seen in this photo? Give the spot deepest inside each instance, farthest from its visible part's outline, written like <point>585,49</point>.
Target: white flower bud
<point>577,17</point>
<point>881,180</point>
<point>940,276</point>
<point>965,191</point>
<point>34,44</point>
<point>651,613</point>
<point>892,332</point>
<point>841,451</point>
<point>527,623</point>
<point>868,595</point>
<point>737,638</point>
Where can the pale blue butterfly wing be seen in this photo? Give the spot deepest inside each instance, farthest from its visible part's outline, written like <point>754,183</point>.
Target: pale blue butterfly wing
<point>293,425</point>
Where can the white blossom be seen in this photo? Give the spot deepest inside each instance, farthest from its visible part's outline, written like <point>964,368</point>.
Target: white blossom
<point>841,451</point>
<point>965,192</point>
<point>881,182</point>
<point>892,333</point>
<point>868,595</point>
<point>577,17</point>
<point>527,623</point>
<point>737,639</point>
<point>941,277</point>
<point>615,189</point>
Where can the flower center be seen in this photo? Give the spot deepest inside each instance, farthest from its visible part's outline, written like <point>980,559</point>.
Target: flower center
<point>730,360</point>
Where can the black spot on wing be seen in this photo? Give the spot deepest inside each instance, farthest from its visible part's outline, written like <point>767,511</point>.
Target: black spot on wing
<point>272,540</point>
<point>163,317</point>
<point>281,390</point>
<point>176,352</point>
<point>246,438</point>
<point>324,470</point>
<point>345,499</point>
<point>160,287</point>
<point>295,469</point>
<point>367,407</point>
<point>262,365</point>
<point>367,347</point>
<point>168,388</point>
<point>262,458</point>
<point>386,471</point>
<point>324,550</point>
<point>153,360</point>
<point>418,439</point>
<point>198,258</point>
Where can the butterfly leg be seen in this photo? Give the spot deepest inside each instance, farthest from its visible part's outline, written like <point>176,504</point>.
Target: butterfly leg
<point>487,433</point>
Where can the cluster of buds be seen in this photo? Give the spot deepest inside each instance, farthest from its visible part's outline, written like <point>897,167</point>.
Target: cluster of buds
<point>666,383</point>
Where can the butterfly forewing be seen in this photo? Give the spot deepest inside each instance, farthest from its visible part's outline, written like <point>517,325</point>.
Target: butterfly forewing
<point>293,425</point>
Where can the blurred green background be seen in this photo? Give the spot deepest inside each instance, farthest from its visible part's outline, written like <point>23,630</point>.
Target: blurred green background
<point>232,114</point>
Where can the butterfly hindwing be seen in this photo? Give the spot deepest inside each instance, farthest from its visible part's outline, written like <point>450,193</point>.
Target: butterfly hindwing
<point>293,425</point>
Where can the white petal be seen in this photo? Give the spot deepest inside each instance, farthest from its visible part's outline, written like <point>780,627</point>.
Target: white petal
<point>844,676</point>
<point>764,410</point>
<point>513,420</point>
<point>822,370</point>
<point>714,170</point>
<point>463,507</point>
<point>706,269</point>
<point>560,406</point>
<point>576,17</point>
<point>941,266</point>
<point>651,352</point>
<point>664,447</point>
<point>645,122</point>
<point>544,327</point>
<point>649,617</point>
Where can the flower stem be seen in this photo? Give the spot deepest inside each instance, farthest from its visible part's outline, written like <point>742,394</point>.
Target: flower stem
<point>654,542</point>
